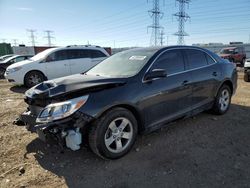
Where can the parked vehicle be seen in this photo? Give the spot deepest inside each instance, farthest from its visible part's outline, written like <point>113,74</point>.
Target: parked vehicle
<point>131,92</point>
<point>54,63</point>
<point>234,54</point>
<point>11,60</point>
<point>2,58</point>
<point>247,70</point>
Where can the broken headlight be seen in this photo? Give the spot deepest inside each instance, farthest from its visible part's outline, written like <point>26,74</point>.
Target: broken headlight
<point>61,110</point>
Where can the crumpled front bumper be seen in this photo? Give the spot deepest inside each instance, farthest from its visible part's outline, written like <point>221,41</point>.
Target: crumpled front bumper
<point>57,130</point>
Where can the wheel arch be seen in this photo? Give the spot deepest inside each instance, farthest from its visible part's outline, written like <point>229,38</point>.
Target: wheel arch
<point>228,83</point>
<point>130,108</point>
<point>34,70</point>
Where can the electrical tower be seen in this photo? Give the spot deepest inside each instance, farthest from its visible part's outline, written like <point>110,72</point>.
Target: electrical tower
<point>182,17</point>
<point>49,37</point>
<point>15,42</point>
<point>156,15</point>
<point>162,37</point>
<point>32,36</point>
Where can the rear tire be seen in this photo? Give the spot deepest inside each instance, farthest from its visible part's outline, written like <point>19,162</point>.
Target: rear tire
<point>33,78</point>
<point>243,62</point>
<point>114,134</point>
<point>2,71</point>
<point>246,77</point>
<point>222,101</point>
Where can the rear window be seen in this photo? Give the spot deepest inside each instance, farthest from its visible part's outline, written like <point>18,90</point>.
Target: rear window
<point>96,54</point>
<point>195,58</point>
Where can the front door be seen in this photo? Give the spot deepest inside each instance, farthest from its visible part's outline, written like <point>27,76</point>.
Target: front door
<point>170,97</point>
<point>57,65</point>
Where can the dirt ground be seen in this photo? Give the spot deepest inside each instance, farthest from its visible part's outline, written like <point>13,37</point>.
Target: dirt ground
<point>203,151</point>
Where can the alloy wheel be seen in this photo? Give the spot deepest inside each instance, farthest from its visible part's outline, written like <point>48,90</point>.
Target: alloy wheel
<point>118,135</point>
<point>224,100</point>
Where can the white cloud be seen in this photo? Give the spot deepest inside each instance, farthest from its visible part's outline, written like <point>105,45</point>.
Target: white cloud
<point>24,9</point>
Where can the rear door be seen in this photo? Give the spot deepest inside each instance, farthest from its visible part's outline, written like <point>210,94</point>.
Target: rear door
<point>57,65</point>
<point>205,73</point>
<point>168,97</point>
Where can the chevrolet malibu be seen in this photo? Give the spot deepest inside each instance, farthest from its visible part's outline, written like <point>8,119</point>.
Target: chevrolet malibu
<point>132,92</point>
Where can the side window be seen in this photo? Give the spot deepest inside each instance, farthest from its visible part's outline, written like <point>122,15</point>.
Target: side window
<point>96,54</point>
<point>84,53</point>
<point>73,54</point>
<point>171,61</point>
<point>57,56</point>
<point>19,59</point>
<point>61,55</point>
<point>209,59</point>
<point>196,59</point>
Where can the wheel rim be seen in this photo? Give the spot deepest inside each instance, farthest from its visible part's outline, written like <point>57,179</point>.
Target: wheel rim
<point>34,79</point>
<point>224,100</point>
<point>118,135</point>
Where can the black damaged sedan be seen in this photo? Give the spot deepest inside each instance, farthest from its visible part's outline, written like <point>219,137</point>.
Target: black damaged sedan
<point>132,92</point>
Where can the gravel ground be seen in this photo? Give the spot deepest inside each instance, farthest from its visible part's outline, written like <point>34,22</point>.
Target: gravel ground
<point>203,151</point>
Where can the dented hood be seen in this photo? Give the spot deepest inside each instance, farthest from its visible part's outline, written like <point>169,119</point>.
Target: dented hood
<point>72,84</point>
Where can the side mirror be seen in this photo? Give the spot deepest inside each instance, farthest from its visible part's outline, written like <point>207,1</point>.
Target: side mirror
<point>155,73</point>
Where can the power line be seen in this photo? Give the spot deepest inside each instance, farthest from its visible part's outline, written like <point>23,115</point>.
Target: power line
<point>182,17</point>
<point>156,15</point>
<point>32,36</point>
<point>49,37</point>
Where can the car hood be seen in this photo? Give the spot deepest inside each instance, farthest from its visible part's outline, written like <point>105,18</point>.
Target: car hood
<point>20,63</point>
<point>224,55</point>
<point>71,85</point>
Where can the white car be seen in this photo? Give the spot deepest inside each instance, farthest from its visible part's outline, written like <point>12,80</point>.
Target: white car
<point>247,70</point>
<point>54,63</point>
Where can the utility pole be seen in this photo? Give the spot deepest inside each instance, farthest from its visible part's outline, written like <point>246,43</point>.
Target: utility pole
<point>156,15</point>
<point>15,42</point>
<point>32,36</point>
<point>162,37</point>
<point>49,37</point>
<point>182,17</point>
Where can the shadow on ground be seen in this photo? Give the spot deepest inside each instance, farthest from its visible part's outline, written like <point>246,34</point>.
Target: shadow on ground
<point>203,151</point>
<point>18,89</point>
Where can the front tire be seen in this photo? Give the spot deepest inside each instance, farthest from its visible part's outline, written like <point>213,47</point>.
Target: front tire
<point>223,100</point>
<point>33,78</point>
<point>114,134</point>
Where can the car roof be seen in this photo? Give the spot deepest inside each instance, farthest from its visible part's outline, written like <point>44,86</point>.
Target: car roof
<point>163,48</point>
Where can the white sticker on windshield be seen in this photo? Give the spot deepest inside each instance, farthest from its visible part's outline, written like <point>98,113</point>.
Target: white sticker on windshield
<point>138,58</point>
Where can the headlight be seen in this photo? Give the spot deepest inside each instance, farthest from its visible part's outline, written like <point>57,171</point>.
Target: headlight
<point>14,69</point>
<point>61,110</point>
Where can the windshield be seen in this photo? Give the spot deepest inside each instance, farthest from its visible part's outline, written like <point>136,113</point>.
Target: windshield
<point>227,51</point>
<point>42,54</point>
<point>123,64</point>
<point>9,58</point>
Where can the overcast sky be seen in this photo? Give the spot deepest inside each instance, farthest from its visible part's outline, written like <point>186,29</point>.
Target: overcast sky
<point>121,23</point>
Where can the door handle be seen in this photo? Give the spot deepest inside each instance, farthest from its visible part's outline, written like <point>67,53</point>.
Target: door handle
<point>185,82</point>
<point>215,74</point>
